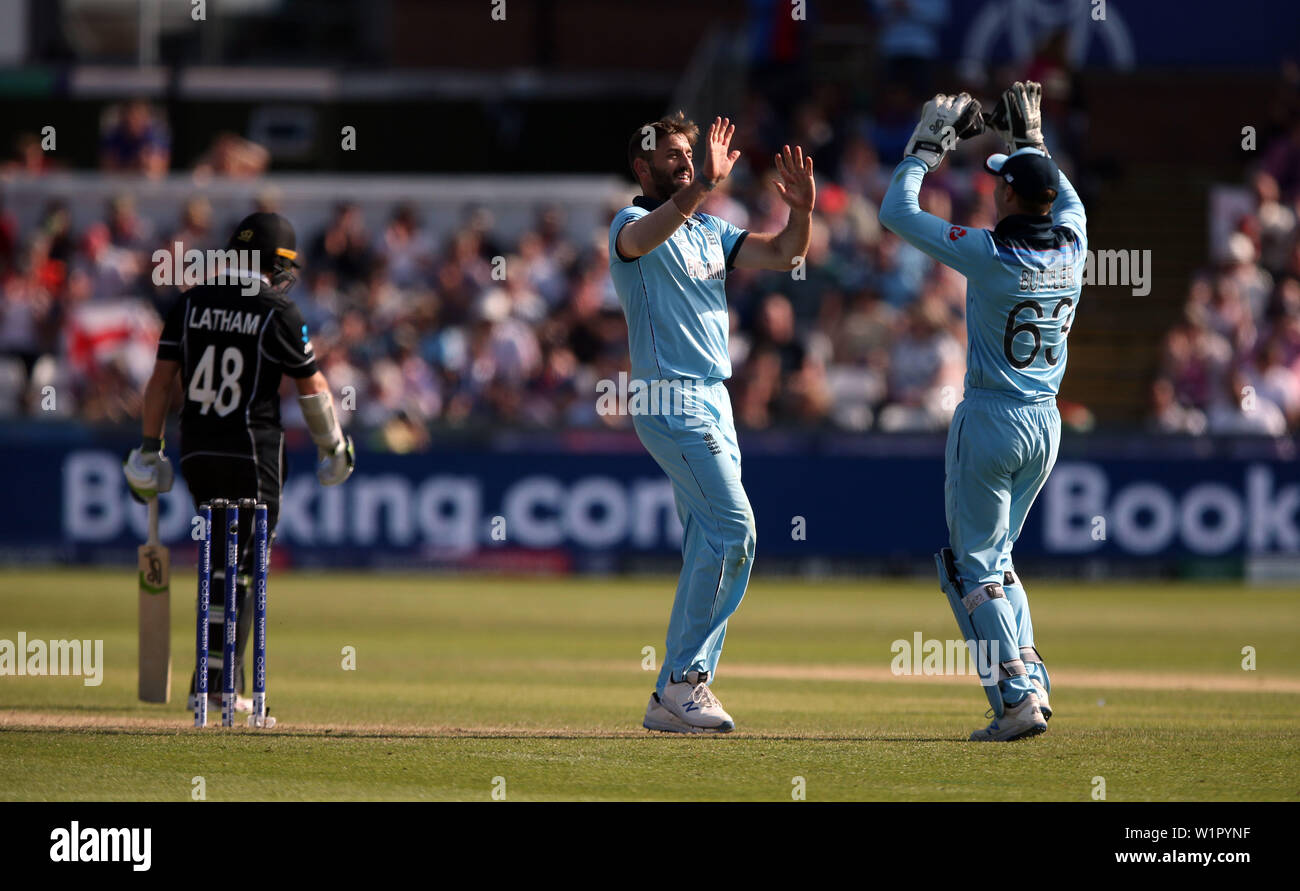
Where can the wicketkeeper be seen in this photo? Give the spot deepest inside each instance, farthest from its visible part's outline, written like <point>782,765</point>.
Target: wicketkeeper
<point>230,341</point>
<point>1023,284</point>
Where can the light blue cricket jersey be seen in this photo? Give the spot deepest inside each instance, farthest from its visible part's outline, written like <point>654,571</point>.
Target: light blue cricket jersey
<point>675,297</point>
<point>1022,283</point>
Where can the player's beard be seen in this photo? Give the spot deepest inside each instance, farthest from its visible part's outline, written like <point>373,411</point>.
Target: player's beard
<point>666,182</point>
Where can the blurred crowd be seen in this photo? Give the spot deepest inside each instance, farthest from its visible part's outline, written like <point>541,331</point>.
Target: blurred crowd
<point>427,331</point>
<point>467,330</point>
<point>1232,363</point>
<point>418,330</point>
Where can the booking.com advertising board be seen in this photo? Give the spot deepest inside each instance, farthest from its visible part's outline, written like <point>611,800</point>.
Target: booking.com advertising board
<point>541,509</point>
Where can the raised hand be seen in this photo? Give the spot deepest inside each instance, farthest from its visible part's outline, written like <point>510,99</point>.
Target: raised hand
<point>945,120</point>
<point>718,155</point>
<point>796,185</point>
<point>1018,116</point>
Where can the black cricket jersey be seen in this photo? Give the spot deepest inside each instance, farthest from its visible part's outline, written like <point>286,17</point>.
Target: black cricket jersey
<point>233,349</point>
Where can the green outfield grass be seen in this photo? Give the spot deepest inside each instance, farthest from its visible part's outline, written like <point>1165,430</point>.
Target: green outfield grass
<point>462,680</point>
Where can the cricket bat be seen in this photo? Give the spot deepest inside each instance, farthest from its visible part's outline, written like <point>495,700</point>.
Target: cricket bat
<point>155,615</point>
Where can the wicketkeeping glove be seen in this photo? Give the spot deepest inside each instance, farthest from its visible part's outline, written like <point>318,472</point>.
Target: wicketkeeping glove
<point>945,120</point>
<point>1018,116</point>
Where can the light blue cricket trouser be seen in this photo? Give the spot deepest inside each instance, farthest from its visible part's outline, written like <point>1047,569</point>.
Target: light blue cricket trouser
<point>1000,452</point>
<point>696,446</point>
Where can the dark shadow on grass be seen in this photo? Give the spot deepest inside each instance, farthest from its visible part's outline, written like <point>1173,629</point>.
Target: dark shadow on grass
<point>631,736</point>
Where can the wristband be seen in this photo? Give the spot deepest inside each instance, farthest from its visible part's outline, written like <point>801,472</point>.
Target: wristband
<point>151,444</point>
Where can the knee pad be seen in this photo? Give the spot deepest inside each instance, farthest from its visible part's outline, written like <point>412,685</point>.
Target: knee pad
<point>987,618</point>
<point>951,586</point>
<point>962,609</point>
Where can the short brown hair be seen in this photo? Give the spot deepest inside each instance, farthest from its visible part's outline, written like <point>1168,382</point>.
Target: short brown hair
<point>669,125</point>
<point>1040,205</point>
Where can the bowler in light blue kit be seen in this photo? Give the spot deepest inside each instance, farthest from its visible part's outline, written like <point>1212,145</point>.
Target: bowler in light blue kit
<point>1022,293</point>
<point>669,263</point>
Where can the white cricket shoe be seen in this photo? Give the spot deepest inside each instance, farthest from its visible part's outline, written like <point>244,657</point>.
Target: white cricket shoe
<point>242,703</point>
<point>1017,722</point>
<point>692,704</point>
<point>1043,705</point>
<point>659,718</point>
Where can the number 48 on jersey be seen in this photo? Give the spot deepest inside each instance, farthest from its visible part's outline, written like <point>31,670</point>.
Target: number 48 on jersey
<point>226,396</point>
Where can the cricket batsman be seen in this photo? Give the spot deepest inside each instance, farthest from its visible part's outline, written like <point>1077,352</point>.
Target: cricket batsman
<point>230,341</point>
<point>669,264</point>
<point>1023,284</point>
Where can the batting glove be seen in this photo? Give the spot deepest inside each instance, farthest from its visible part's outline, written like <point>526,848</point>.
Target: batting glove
<point>945,120</point>
<point>334,467</point>
<point>147,474</point>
